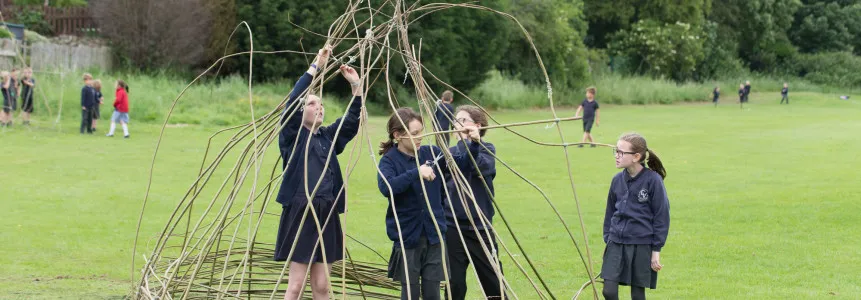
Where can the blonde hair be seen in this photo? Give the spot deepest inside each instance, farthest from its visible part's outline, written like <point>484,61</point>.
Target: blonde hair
<point>447,96</point>
<point>97,84</point>
<point>87,76</point>
<point>592,90</point>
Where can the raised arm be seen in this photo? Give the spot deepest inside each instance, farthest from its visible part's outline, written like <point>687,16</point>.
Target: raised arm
<point>292,123</point>
<point>350,123</point>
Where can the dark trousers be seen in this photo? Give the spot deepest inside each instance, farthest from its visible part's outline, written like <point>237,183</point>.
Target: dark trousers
<point>785,98</point>
<point>87,120</point>
<point>458,262</point>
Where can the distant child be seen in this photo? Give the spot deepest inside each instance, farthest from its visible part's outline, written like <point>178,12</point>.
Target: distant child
<point>97,112</point>
<point>716,95</point>
<point>8,101</point>
<point>28,85</point>
<point>747,91</point>
<point>591,115</point>
<point>121,109</point>
<point>637,220</point>
<point>784,93</point>
<point>443,115</point>
<point>741,93</point>
<point>88,104</point>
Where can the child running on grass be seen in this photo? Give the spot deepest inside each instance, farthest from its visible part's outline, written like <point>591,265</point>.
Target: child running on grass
<point>121,109</point>
<point>591,115</point>
<point>784,93</point>
<point>409,221</point>
<point>637,220</point>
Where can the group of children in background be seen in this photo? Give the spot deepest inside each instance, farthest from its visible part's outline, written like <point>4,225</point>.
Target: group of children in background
<point>92,99</point>
<point>22,86</point>
<point>14,87</point>
<point>434,213</point>
<point>744,93</point>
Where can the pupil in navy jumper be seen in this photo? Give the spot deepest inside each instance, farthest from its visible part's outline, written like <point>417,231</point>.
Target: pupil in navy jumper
<point>784,93</point>
<point>747,91</point>
<point>591,115</point>
<point>470,232</point>
<point>716,95</point>
<point>88,103</point>
<point>741,93</point>
<point>303,138</point>
<point>28,83</point>
<point>8,102</point>
<point>412,178</point>
<point>444,115</point>
<point>637,220</point>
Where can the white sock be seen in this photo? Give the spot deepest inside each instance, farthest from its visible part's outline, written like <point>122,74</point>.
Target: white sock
<point>113,127</point>
<point>126,129</point>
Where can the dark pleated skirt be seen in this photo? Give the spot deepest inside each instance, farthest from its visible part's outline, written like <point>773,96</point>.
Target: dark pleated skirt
<point>629,265</point>
<point>308,248</point>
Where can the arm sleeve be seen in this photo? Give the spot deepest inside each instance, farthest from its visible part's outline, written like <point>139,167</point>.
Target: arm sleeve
<point>350,126</point>
<point>398,182</point>
<point>661,215</point>
<point>608,213</point>
<point>292,123</point>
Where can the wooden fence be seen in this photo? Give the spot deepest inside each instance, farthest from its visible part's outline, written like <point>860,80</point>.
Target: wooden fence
<point>63,20</point>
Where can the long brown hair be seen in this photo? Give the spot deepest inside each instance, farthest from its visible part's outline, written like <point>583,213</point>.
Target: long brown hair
<point>638,145</point>
<point>407,115</point>
<point>123,85</point>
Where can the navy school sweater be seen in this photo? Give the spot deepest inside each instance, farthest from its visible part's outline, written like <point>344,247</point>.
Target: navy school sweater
<point>638,211</point>
<point>325,138</point>
<point>402,175</point>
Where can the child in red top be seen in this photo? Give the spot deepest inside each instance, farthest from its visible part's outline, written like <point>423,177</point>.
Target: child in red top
<point>121,109</point>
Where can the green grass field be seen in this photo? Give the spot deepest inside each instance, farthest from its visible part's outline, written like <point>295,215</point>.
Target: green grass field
<point>764,200</point>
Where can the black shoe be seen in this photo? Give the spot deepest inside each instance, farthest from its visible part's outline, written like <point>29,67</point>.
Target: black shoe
<point>593,146</point>
<point>94,129</point>
<point>127,136</point>
<point>580,146</point>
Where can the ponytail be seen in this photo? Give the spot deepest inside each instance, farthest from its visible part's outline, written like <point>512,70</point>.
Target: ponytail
<point>397,123</point>
<point>385,146</point>
<point>654,163</point>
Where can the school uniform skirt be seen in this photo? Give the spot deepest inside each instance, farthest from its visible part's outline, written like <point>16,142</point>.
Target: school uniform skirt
<point>308,248</point>
<point>629,265</point>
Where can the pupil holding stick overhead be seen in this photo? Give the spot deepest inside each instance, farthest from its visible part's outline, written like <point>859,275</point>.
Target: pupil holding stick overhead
<point>305,169</point>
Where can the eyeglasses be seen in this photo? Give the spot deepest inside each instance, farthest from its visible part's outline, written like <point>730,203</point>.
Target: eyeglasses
<point>464,120</point>
<point>620,153</point>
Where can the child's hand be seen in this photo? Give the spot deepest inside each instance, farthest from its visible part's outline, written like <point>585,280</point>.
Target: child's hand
<point>598,123</point>
<point>473,133</point>
<point>323,56</point>
<point>656,261</point>
<point>427,173</point>
<point>350,75</point>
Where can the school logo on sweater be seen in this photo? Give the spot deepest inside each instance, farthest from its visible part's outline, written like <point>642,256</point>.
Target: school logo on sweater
<point>643,196</point>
